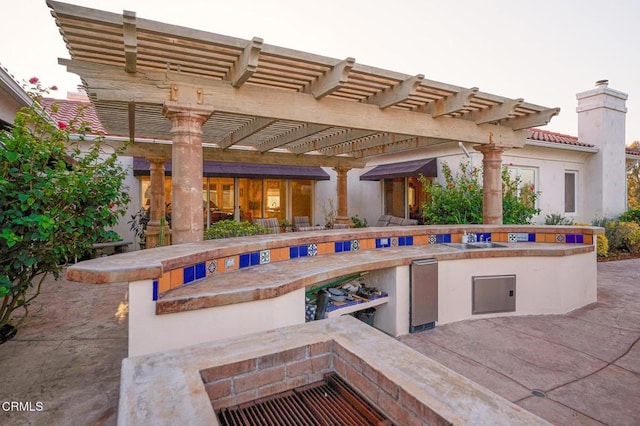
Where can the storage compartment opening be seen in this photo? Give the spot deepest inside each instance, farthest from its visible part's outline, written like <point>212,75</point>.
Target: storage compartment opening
<point>493,294</point>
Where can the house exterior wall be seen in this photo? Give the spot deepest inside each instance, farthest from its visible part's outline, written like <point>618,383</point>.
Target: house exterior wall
<point>601,122</point>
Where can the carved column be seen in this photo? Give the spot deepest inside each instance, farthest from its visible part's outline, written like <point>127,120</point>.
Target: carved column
<point>491,184</point>
<point>157,207</point>
<point>186,160</point>
<point>342,211</point>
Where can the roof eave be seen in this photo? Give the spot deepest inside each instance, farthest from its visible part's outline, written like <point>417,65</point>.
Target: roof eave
<point>557,145</point>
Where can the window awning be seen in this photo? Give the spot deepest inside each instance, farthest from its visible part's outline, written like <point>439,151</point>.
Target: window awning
<point>242,170</point>
<point>426,166</point>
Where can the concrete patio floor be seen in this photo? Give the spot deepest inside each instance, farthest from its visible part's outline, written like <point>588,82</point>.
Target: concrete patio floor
<point>67,355</point>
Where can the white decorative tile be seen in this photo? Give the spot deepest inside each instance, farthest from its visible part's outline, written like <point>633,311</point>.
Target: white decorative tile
<point>394,242</point>
<point>433,239</point>
<point>512,237</point>
<point>229,262</point>
<point>355,245</point>
<point>312,250</point>
<point>265,256</point>
<point>560,238</point>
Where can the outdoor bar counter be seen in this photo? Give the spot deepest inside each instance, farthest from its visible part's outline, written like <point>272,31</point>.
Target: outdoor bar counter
<point>212,290</point>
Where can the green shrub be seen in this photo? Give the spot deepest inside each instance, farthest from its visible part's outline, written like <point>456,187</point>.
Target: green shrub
<point>231,228</point>
<point>623,236</point>
<point>459,200</point>
<point>557,219</point>
<point>359,223</point>
<point>632,215</point>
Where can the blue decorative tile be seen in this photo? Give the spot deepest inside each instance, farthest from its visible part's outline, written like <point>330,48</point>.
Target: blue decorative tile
<point>245,260</point>
<point>378,243</point>
<point>254,258</point>
<point>201,270</point>
<point>382,242</point>
<point>571,238</point>
<point>293,252</point>
<point>531,238</point>
<point>312,250</point>
<point>155,290</point>
<point>443,238</point>
<point>189,274</point>
<point>580,239</point>
<point>346,246</point>
<point>447,238</point>
<point>338,247</point>
<point>303,251</point>
<point>439,239</point>
<point>401,241</point>
<point>409,240</point>
<point>213,266</point>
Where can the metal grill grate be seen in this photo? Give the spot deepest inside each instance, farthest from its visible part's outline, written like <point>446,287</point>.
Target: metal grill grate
<point>330,402</point>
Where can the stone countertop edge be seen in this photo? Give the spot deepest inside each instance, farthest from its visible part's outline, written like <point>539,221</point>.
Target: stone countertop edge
<point>152,263</point>
<point>269,281</point>
<point>163,387</point>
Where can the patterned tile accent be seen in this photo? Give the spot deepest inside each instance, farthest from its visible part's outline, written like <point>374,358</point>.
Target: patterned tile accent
<point>212,266</point>
<point>432,239</point>
<point>155,290</point>
<point>312,250</point>
<point>394,242</point>
<point>383,242</point>
<point>355,245</point>
<point>513,237</point>
<point>521,237</point>
<point>265,256</point>
<point>560,238</point>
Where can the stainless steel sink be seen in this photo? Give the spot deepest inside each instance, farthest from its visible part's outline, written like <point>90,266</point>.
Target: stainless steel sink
<point>475,246</point>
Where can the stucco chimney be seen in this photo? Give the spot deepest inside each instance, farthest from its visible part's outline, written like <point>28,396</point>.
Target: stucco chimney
<point>601,122</point>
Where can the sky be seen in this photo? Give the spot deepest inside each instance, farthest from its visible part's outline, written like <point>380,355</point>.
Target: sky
<point>544,51</point>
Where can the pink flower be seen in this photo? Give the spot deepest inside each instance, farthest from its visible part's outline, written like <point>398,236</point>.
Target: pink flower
<point>54,87</point>
<point>34,80</point>
<point>510,164</point>
<point>532,188</point>
<point>62,125</point>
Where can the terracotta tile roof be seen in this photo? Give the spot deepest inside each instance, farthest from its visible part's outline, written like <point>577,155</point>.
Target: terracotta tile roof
<point>559,138</point>
<point>69,110</point>
<point>634,152</point>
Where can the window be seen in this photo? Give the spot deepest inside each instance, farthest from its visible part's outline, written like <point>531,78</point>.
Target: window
<point>528,177</point>
<point>394,196</point>
<point>570,191</point>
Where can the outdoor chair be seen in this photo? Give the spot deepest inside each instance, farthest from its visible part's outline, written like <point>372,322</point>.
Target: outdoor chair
<point>270,223</point>
<point>301,223</point>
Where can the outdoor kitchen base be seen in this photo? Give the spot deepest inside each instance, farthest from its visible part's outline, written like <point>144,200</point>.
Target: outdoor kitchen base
<point>264,371</point>
<point>331,401</point>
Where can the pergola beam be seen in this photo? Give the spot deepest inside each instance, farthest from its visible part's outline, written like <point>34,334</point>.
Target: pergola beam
<point>331,80</point>
<point>251,128</point>
<point>130,41</point>
<point>398,93</point>
<point>301,132</point>
<point>537,119</point>
<point>497,112</point>
<point>454,103</point>
<point>246,64</point>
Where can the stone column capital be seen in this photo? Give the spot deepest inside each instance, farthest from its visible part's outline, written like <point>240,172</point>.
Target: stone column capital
<point>491,150</point>
<point>173,109</point>
<point>156,160</point>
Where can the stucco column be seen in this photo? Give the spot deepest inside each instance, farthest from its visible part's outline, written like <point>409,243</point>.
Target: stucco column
<point>157,207</point>
<point>491,184</point>
<point>186,160</point>
<point>342,210</point>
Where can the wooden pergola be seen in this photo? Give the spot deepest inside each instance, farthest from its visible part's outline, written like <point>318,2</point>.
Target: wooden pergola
<point>214,97</point>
